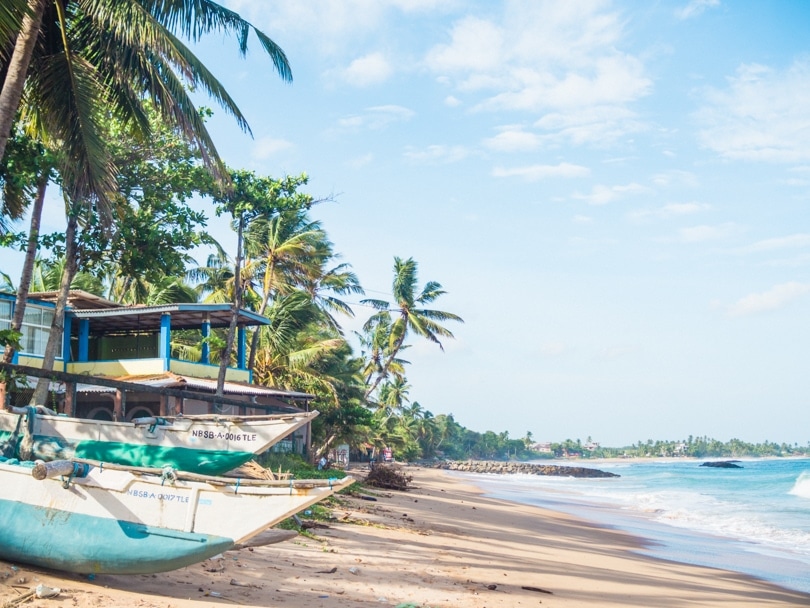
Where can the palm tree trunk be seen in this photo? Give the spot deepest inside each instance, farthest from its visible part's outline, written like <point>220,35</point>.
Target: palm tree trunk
<point>384,370</point>
<point>237,304</point>
<point>40,395</point>
<point>28,263</point>
<point>18,69</point>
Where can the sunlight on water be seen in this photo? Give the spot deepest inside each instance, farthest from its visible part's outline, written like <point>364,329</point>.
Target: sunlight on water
<point>802,486</point>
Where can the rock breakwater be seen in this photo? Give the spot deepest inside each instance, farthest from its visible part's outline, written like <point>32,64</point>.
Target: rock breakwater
<point>525,468</point>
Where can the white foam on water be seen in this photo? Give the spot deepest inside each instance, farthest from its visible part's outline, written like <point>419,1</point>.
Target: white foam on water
<point>802,486</point>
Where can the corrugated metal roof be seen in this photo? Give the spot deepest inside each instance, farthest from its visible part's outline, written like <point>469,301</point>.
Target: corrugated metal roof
<point>147,318</point>
<point>169,379</point>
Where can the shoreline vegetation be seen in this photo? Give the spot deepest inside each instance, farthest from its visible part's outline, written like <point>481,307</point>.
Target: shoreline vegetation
<point>439,543</point>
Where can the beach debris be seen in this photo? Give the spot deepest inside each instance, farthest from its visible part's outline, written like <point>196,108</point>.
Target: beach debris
<point>354,570</point>
<point>44,592</point>
<point>40,592</point>
<point>330,571</point>
<point>537,589</point>
<point>237,583</point>
<point>389,477</point>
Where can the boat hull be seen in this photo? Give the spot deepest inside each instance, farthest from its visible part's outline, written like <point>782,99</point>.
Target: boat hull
<point>120,522</point>
<point>206,445</point>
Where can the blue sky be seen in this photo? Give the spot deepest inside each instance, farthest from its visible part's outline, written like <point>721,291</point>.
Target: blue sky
<point>613,194</point>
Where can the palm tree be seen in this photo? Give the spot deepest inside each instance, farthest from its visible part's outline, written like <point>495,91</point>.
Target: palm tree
<point>408,314</point>
<point>280,250</point>
<point>74,58</point>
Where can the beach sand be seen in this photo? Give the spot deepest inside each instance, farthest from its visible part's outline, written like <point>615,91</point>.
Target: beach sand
<point>440,543</point>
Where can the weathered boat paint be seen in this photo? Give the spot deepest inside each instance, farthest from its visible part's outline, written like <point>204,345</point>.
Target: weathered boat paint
<point>129,522</point>
<point>211,445</point>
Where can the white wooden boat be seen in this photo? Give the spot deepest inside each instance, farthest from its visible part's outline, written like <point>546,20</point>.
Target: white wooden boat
<point>207,444</point>
<point>124,520</point>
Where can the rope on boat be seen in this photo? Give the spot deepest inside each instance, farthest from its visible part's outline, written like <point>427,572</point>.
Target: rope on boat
<point>169,474</point>
<point>238,481</point>
<point>79,470</point>
<point>26,447</point>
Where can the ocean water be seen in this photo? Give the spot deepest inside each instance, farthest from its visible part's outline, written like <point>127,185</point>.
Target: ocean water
<point>754,520</point>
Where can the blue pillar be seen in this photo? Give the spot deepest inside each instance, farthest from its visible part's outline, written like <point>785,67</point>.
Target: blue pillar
<point>164,345</point>
<point>241,348</point>
<point>66,340</point>
<point>206,348</point>
<point>84,339</point>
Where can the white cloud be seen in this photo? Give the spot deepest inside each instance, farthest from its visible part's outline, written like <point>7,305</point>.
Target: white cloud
<point>583,219</point>
<point>537,172</point>
<point>698,234</point>
<point>265,147</point>
<point>602,125</point>
<point>675,177</point>
<point>437,153</point>
<point>669,210</point>
<point>695,8</point>
<point>558,58</point>
<point>775,298</point>
<point>513,140</point>
<point>371,69</point>
<point>552,349</point>
<point>792,241</point>
<point>602,195</point>
<point>360,161</point>
<point>452,102</point>
<point>376,118</point>
<point>762,115</point>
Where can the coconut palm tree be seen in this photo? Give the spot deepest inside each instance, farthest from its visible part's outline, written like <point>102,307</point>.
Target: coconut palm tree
<point>73,58</point>
<point>407,314</point>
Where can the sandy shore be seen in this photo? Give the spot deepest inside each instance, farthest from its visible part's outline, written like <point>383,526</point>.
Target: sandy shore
<point>441,543</point>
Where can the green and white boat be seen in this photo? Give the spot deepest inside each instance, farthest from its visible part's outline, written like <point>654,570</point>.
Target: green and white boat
<point>205,444</point>
<point>80,518</point>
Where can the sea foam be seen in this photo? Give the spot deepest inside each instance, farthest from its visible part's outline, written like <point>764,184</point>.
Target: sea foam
<point>802,486</point>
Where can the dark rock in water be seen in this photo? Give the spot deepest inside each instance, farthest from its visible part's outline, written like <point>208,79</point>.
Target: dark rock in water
<point>503,468</point>
<point>722,464</point>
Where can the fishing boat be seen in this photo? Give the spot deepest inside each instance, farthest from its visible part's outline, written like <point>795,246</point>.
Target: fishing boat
<point>207,444</point>
<point>97,518</point>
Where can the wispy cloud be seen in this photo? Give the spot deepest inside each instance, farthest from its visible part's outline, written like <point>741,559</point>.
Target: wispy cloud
<point>775,298</point>
<point>668,211</point>
<point>538,172</point>
<point>793,241</point>
<point>762,115</point>
<point>703,233</point>
<point>695,8</point>
<point>602,195</point>
<point>376,118</point>
<point>437,153</point>
<point>675,177</point>
<point>265,147</point>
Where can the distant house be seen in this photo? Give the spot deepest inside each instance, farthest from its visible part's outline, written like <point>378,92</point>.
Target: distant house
<point>132,344</point>
<point>544,448</point>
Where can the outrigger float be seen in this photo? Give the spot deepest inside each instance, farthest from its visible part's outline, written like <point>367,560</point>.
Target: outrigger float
<point>87,517</point>
<point>207,444</point>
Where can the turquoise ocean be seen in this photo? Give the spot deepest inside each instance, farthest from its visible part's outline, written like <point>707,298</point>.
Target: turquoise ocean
<point>754,520</point>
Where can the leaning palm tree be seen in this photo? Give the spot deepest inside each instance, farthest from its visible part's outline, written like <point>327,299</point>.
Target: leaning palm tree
<point>407,315</point>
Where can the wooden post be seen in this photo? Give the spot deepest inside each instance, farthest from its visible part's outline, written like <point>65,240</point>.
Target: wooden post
<point>70,398</point>
<point>119,406</point>
<point>179,406</point>
<point>164,405</point>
